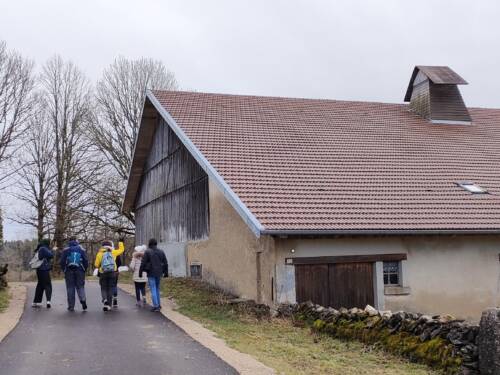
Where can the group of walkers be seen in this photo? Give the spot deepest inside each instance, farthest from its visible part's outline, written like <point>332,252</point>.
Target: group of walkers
<point>149,265</point>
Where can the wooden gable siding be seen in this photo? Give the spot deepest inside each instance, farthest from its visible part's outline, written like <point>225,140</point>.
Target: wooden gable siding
<point>447,103</point>
<point>172,202</point>
<point>420,100</point>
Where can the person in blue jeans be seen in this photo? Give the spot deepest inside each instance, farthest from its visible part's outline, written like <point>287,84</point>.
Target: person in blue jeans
<point>155,263</point>
<point>44,283</point>
<point>74,264</point>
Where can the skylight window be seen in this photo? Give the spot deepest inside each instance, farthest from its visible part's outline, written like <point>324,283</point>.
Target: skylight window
<point>472,188</point>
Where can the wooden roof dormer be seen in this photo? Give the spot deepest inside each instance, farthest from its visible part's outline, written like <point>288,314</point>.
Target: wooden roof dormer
<point>433,94</point>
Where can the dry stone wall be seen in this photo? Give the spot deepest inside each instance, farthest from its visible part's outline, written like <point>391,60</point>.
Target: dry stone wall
<point>489,342</point>
<point>440,341</point>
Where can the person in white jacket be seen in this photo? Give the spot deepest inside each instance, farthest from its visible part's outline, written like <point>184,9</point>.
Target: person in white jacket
<point>140,282</point>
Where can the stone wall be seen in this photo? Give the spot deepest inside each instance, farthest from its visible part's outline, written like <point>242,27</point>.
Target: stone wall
<point>440,341</point>
<point>489,342</point>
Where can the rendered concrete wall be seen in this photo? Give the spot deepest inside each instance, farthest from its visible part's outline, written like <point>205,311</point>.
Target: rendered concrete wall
<point>176,256</point>
<point>457,275</point>
<point>229,257</point>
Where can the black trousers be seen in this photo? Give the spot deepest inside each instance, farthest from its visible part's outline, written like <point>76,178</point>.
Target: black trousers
<point>44,285</point>
<point>140,288</point>
<point>107,281</point>
<point>75,282</point>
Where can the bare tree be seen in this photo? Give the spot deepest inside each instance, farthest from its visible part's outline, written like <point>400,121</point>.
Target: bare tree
<point>120,98</point>
<point>66,93</point>
<point>16,85</point>
<point>1,230</point>
<point>35,185</point>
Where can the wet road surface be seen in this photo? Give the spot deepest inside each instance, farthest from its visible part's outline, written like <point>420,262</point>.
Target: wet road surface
<point>128,341</point>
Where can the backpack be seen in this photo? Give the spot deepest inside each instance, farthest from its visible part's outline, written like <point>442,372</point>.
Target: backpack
<point>74,259</point>
<point>35,262</point>
<point>107,262</point>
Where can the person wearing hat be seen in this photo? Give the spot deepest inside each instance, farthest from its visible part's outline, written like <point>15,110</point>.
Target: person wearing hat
<point>139,282</point>
<point>44,283</point>
<point>105,262</point>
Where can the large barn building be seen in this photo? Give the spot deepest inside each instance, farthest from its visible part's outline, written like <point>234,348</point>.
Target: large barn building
<point>342,203</point>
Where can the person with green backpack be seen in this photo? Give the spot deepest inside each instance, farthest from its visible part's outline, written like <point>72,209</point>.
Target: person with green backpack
<point>105,261</point>
<point>74,263</point>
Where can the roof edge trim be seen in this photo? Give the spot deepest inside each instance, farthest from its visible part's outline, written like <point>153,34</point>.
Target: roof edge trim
<point>247,216</point>
<point>372,232</point>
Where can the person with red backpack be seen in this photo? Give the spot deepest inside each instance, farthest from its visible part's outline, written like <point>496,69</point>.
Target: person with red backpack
<point>74,263</point>
<point>105,261</point>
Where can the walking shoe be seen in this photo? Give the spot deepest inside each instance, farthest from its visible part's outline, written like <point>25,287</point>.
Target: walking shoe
<point>106,308</point>
<point>115,302</point>
<point>71,309</point>
<point>84,305</point>
<point>155,309</point>
<point>138,304</point>
<point>49,305</point>
<point>35,305</point>
<point>144,302</point>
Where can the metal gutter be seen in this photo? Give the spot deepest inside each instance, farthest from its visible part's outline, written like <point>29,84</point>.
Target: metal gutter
<point>249,218</point>
<point>376,232</point>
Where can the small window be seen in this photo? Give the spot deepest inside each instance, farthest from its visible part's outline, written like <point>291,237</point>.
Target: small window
<point>391,273</point>
<point>472,187</point>
<point>195,270</point>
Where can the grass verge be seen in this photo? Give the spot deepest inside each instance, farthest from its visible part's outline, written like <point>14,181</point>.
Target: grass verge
<point>277,342</point>
<point>4,299</point>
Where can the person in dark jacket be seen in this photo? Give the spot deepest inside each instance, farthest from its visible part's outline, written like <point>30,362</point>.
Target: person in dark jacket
<point>74,263</point>
<point>44,283</point>
<point>155,263</point>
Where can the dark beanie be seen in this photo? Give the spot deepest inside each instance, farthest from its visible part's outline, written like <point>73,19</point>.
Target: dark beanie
<point>107,243</point>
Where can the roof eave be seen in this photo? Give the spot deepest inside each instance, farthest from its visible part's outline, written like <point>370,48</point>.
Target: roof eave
<point>132,187</point>
<point>377,232</point>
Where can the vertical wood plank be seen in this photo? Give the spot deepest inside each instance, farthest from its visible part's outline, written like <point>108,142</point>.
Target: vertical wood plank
<point>172,201</point>
<point>351,285</point>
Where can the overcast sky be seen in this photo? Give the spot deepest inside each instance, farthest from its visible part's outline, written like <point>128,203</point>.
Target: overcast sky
<point>354,50</point>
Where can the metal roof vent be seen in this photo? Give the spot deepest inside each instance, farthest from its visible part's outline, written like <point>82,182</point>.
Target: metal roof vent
<point>433,94</point>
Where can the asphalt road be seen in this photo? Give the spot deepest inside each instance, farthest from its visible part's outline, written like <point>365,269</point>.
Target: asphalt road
<point>128,341</point>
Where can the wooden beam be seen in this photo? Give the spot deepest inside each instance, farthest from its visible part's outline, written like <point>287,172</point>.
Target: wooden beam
<point>347,259</point>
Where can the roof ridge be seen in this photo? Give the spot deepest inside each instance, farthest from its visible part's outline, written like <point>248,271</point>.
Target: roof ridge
<point>203,93</point>
<point>278,97</point>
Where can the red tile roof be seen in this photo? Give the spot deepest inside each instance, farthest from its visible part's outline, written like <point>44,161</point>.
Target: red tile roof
<point>327,165</point>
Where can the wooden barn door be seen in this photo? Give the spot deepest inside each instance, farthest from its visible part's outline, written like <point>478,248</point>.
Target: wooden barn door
<point>311,283</point>
<point>336,284</point>
<point>351,285</point>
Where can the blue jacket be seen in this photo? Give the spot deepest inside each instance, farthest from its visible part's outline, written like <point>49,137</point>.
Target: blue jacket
<point>74,246</point>
<point>45,254</point>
